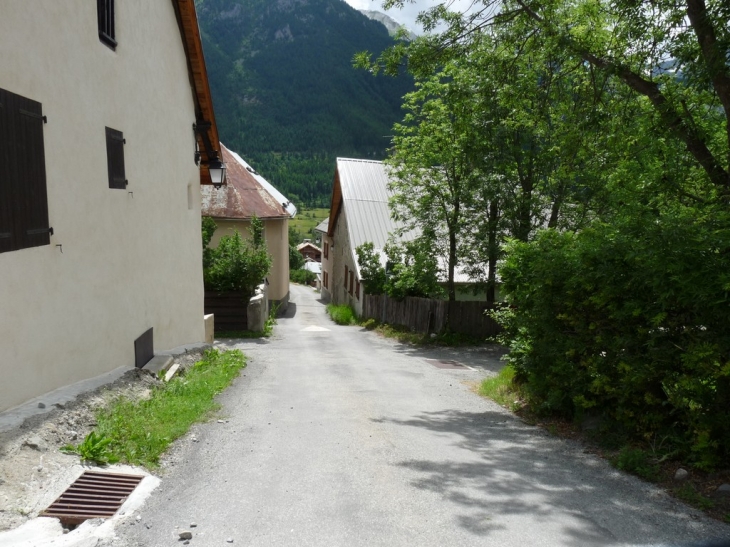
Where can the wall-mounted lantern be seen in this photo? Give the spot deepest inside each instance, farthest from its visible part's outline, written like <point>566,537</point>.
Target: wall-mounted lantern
<point>217,170</point>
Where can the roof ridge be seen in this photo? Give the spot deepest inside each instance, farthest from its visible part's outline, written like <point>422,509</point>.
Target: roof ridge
<point>359,160</point>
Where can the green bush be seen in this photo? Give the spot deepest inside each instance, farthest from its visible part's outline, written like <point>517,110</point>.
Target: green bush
<point>628,322</point>
<point>638,462</point>
<point>304,277</point>
<point>342,315</point>
<point>236,264</point>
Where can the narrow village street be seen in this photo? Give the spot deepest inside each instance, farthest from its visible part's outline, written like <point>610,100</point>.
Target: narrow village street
<point>334,436</point>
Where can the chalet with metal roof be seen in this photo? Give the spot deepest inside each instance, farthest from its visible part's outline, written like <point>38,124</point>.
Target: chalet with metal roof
<point>359,213</point>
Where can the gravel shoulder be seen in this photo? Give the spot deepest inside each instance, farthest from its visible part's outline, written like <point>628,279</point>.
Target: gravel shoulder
<point>34,471</point>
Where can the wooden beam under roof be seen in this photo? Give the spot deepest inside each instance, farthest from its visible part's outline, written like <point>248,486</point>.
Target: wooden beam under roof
<point>204,115</point>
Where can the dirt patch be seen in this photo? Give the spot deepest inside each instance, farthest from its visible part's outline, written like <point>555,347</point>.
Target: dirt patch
<point>33,470</point>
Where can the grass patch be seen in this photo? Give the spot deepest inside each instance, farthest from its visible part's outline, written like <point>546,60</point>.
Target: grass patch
<point>637,462</point>
<point>140,431</point>
<point>342,315</point>
<point>306,220</point>
<point>688,494</point>
<point>502,389</point>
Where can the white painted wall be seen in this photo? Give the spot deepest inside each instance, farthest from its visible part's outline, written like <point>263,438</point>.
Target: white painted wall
<point>131,259</point>
<point>340,256</point>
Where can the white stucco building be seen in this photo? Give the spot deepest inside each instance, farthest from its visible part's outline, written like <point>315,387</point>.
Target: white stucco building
<point>99,187</point>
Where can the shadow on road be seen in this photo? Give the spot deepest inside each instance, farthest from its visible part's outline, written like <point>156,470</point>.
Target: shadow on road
<point>486,357</point>
<point>291,311</point>
<point>520,469</point>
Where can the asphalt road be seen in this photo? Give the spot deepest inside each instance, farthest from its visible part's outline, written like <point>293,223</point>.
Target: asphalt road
<point>337,437</point>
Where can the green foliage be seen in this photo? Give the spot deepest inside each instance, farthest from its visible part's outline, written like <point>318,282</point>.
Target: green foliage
<point>628,321</point>
<point>138,432</point>
<point>412,269</point>
<point>303,277</point>
<point>302,226</point>
<point>238,264</point>
<point>688,494</point>
<point>270,321</point>
<point>607,123</point>
<point>296,260</point>
<point>637,462</point>
<point>94,449</point>
<point>342,315</point>
<point>372,272</point>
<point>502,389</point>
<point>208,229</point>
<point>257,232</point>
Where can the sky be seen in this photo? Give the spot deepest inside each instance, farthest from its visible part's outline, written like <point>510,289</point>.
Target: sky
<point>408,13</point>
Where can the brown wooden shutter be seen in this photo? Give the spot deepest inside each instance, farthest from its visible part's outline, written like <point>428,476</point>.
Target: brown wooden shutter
<point>23,196</point>
<point>115,158</point>
<point>6,209</point>
<point>31,196</point>
<point>107,32</point>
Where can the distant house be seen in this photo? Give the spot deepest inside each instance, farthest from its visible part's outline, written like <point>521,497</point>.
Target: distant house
<point>105,116</point>
<point>310,251</point>
<point>247,194</point>
<point>359,213</point>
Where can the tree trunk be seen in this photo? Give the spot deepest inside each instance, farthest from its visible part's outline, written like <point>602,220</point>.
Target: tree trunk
<point>492,251</point>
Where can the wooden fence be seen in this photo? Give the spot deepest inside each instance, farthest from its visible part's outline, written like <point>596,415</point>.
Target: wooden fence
<point>425,315</point>
<point>230,309</point>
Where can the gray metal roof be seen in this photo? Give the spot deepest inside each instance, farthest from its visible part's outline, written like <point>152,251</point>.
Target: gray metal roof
<point>365,195</point>
<point>323,226</point>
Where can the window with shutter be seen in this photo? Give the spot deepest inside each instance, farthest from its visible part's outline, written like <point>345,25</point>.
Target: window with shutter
<point>115,158</point>
<point>23,196</point>
<point>105,12</point>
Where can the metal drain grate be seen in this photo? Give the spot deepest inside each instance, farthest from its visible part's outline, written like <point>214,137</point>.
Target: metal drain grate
<point>445,363</point>
<point>92,495</point>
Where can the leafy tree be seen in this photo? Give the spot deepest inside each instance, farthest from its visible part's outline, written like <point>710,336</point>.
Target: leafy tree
<point>411,269</point>
<point>372,272</point>
<point>604,138</point>
<point>296,260</point>
<point>432,167</point>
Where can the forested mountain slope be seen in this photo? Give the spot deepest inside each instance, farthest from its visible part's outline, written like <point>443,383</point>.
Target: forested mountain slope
<point>286,95</point>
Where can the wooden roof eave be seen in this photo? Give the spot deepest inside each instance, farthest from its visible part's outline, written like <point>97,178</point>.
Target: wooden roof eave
<point>206,127</point>
<point>335,204</point>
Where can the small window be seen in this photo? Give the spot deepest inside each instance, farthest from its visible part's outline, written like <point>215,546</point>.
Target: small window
<point>105,12</point>
<point>345,282</point>
<point>357,290</point>
<point>326,250</point>
<point>352,286</point>
<point>115,158</point>
<point>23,193</point>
